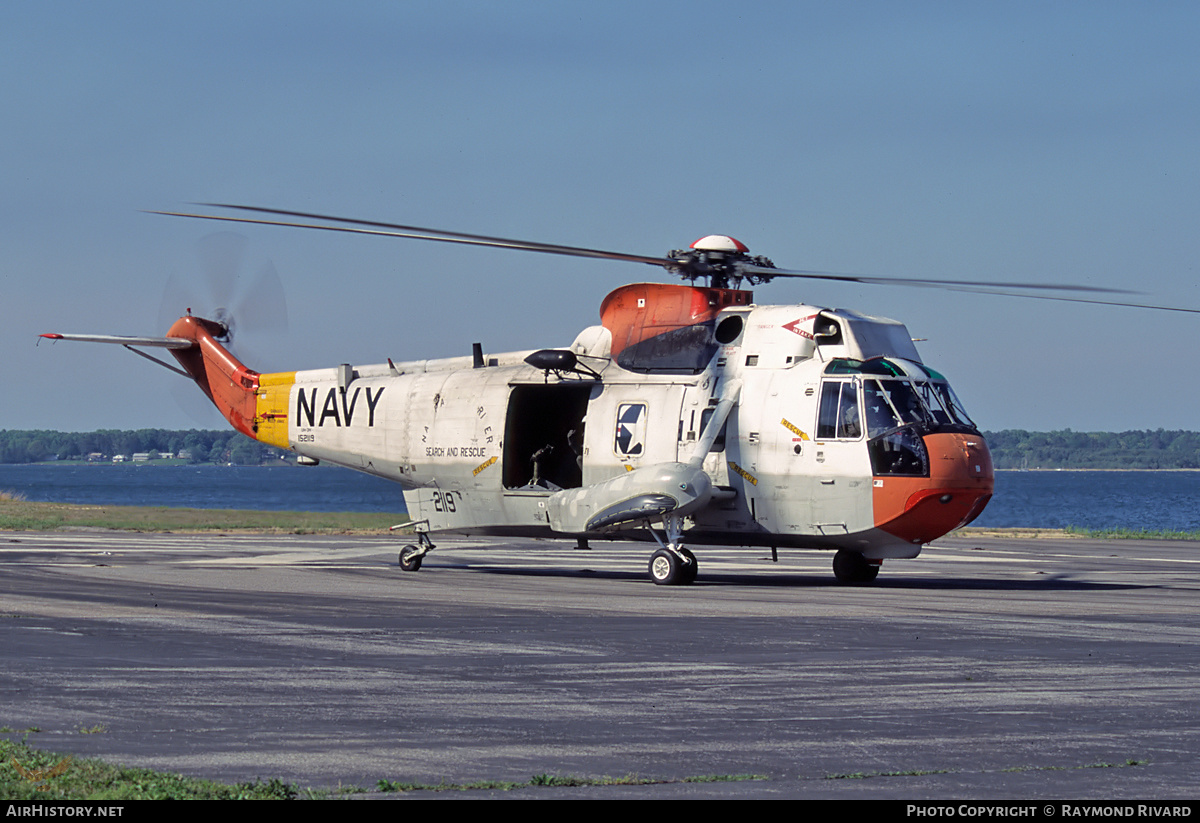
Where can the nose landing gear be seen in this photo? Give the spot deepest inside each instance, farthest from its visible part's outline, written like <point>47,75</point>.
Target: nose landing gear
<point>852,569</point>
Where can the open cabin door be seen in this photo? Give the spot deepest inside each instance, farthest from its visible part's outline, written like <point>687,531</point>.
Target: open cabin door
<point>543,436</point>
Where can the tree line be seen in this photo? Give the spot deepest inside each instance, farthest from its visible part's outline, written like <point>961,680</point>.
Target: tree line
<point>1066,449</point>
<point>1011,449</point>
<point>217,446</point>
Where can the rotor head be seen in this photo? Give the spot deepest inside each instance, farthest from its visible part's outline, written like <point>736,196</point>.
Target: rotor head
<point>719,260</point>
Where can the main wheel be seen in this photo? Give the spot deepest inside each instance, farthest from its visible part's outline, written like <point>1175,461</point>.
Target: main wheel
<point>853,569</point>
<point>688,572</point>
<point>410,558</point>
<point>665,568</point>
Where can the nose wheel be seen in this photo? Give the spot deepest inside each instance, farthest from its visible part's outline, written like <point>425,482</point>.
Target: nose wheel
<point>852,569</point>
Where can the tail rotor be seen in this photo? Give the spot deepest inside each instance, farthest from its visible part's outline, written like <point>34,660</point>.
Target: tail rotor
<point>245,296</point>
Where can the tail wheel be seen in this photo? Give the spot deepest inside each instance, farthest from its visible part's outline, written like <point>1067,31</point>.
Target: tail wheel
<point>852,569</point>
<point>410,558</point>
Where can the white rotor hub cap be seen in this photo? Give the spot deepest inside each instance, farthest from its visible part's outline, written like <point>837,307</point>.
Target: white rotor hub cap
<point>719,242</point>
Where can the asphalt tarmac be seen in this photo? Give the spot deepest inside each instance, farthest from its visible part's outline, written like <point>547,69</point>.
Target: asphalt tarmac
<point>985,669</point>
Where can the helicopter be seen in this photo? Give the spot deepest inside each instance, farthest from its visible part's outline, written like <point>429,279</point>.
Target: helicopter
<point>690,413</point>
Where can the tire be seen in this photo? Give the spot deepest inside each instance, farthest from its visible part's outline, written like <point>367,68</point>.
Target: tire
<point>410,560</point>
<point>665,568</point>
<point>688,572</point>
<point>852,569</point>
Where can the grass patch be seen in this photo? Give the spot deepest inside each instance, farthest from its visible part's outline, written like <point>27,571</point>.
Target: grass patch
<point>923,772</point>
<point>980,531</point>
<point>864,775</point>
<point>63,777</point>
<point>560,780</point>
<point>97,780</point>
<point>1077,532</point>
<point>22,515</point>
<point>1132,534</point>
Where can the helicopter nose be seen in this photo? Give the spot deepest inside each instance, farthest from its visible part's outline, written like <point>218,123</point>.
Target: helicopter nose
<point>960,484</point>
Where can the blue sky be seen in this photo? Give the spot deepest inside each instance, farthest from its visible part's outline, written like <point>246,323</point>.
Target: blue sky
<point>993,141</point>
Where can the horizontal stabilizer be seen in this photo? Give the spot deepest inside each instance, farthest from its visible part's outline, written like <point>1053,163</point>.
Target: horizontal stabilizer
<point>125,340</point>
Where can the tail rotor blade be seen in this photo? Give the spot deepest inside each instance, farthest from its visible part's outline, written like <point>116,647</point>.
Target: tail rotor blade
<point>222,256</point>
<point>262,306</point>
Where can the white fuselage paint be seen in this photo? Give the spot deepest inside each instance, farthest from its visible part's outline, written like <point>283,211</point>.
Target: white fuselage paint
<point>438,428</point>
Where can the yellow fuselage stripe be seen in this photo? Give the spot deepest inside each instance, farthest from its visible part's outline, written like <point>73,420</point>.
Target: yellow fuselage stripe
<point>271,408</point>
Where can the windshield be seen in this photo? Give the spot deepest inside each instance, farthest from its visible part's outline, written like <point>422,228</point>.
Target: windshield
<point>890,404</point>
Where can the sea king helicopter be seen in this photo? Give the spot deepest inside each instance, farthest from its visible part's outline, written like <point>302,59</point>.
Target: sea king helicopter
<point>690,413</point>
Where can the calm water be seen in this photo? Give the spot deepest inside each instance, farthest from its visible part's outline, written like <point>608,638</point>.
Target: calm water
<point>1134,500</point>
<point>1096,500</point>
<point>268,488</point>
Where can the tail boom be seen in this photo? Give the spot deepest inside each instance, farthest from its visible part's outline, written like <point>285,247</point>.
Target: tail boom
<point>255,404</point>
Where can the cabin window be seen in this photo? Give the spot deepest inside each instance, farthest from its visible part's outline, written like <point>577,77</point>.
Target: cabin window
<point>718,444</point>
<point>631,429</point>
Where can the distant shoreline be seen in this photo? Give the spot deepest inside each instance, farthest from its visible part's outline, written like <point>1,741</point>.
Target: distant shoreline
<point>1093,469</point>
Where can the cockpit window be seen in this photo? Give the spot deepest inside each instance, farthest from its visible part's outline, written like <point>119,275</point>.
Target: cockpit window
<point>940,399</point>
<point>895,393</point>
<point>876,365</point>
<point>890,404</point>
<point>839,417</point>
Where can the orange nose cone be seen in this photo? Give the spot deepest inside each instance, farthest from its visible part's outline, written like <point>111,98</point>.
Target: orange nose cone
<point>960,483</point>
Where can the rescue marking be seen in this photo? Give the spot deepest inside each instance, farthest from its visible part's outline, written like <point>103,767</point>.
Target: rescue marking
<point>484,465</point>
<point>747,476</point>
<point>801,435</point>
<point>456,451</point>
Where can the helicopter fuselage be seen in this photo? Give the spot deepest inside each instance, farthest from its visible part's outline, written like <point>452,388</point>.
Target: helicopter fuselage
<point>840,438</point>
<point>690,414</point>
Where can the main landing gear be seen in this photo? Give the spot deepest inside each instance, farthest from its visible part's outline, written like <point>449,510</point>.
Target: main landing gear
<point>672,564</point>
<point>668,568</point>
<point>852,569</point>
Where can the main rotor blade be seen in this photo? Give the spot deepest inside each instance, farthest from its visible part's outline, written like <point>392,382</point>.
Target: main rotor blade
<point>417,233</point>
<point>383,229</point>
<point>762,271</point>
<point>1076,299</point>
